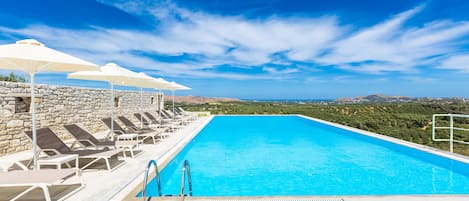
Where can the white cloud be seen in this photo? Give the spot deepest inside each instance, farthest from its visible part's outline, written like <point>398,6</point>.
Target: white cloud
<point>335,79</point>
<point>272,70</point>
<point>419,79</point>
<point>310,80</point>
<point>458,62</point>
<point>388,46</point>
<point>395,47</point>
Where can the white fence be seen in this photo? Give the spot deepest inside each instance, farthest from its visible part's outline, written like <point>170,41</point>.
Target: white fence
<point>451,129</point>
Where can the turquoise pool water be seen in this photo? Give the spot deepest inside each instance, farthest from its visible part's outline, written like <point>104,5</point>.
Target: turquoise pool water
<point>291,155</point>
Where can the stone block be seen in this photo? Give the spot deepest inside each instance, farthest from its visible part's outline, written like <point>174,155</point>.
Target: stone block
<point>45,123</point>
<point>15,142</point>
<point>4,143</point>
<point>5,137</point>
<point>40,116</point>
<point>59,107</point>
<point>15,123</point>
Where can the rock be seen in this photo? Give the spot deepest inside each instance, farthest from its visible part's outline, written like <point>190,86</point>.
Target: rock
<point>14,142</point>
<point>15,123</point>
<point>6,113</point>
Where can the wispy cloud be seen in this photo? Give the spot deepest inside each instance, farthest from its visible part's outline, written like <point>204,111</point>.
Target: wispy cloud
<point>419,79</point>
<point>388,46</point>
<point>272,70</point>
<point>391,47</point>
<point>457,62</point>
<point>334,79</point>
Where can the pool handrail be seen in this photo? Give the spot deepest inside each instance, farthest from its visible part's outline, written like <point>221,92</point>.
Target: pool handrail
<point>145,179</point>
<point>186,168</point>
<point>451,129</point>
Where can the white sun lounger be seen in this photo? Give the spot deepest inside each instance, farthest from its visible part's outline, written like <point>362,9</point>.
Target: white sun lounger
<point>36,179</point>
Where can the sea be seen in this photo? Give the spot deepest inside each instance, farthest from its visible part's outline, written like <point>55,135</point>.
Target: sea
<point>299,101</point>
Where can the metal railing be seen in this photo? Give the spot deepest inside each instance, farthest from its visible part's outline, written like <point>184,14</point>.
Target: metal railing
<point>451,129</point>
<point>186,169</point>
<point>145,179</point>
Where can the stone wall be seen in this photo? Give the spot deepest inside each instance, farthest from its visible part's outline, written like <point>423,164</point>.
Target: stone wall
<point>60,105</point>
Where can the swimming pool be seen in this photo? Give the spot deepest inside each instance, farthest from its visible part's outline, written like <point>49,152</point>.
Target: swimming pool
<point>292,155</point>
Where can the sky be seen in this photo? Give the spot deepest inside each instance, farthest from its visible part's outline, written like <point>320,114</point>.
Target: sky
<point>258,49</point>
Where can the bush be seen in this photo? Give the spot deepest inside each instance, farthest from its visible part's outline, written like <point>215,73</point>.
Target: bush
<point>12,78</point>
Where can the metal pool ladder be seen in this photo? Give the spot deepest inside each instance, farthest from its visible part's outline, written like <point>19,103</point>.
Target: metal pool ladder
<point>186,170</point>
<point>145,179</point>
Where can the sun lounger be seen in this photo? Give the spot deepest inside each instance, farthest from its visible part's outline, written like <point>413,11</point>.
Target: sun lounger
<point>155,125</point>
<point>132,127</point>
<point>119,131</point>
<point>181,111</point>
<point>161,117</point>
<point>169,117</point>
<point>144,120</point>
<point>165,115</point>
<point>7,164</point>
<point>87,140</point>
<point>181,119</point>
<point>144,130</point>
<point>170,124</point>
<point>151,124</point>
<point>172,115</point>
<point>51,145</point>
<point>43,179</point>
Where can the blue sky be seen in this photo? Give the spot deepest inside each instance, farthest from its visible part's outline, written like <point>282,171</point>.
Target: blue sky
<point>260,49</point>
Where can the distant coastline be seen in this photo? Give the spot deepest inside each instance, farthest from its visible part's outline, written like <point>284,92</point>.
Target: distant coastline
<point>374,98</point>
<point>291,100</point>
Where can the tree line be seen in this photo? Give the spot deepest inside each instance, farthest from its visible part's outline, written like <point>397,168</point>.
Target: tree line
<point>12,78</point>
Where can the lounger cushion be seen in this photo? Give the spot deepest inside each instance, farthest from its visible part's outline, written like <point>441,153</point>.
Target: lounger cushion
<point>28,177</point>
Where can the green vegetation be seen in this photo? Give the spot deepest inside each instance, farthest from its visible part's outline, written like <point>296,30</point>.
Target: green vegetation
<point>12,78</point>
<point>407,121</point>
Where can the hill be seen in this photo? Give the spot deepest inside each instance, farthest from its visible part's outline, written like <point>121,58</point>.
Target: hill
<point>380,98</point>
<point>199,99</point>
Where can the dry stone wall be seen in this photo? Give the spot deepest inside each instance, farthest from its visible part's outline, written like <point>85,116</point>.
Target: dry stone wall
<point>60,105</point>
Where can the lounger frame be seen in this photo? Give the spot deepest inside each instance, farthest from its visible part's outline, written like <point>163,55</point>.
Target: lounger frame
<point>45,187</point>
